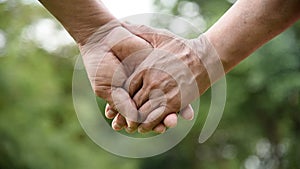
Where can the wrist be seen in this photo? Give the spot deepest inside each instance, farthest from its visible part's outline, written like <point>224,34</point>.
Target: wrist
<point>220,50</point>
<point>87,25</point>
<point>84,30</point>
<point>211,68</point>
<point>100,33</point>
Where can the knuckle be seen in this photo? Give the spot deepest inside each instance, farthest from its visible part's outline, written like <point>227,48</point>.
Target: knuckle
<point>147,126</point>
<point>155,83</point>
<point>102,91</point>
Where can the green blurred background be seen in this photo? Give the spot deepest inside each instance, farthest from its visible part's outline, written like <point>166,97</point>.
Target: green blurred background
<point>260,128</point>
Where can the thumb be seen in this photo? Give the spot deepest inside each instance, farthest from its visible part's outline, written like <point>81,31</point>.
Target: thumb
<point>126,106</point>
<point>187,113</point>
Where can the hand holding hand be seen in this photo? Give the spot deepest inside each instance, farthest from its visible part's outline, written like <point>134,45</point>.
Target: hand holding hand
<point>102,55</point>
<point>172,76</point>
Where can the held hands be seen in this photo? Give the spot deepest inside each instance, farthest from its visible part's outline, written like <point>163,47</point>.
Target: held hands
<point>109,76</point>
<point>172,76</point>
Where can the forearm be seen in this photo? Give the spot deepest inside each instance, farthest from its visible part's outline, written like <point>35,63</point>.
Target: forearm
<point>249,24</point>
<point>81,18</point>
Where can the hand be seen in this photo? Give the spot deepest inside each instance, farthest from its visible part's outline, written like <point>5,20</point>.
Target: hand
<point>102,65</point>
<point>171,77</point>
<point>107,75</point>
<point>169,121</point>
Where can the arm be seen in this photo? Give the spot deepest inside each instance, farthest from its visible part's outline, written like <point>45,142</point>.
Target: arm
<point>81,18</point>
<point>247,25</point>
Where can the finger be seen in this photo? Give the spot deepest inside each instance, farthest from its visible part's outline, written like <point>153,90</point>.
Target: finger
<point>106,71</point>
<point>187,113</point>
<point>170,120</point>
<point>119,122</point>
<point>129,44</point>
<point>134,83</point>
<point>153,119</point>
<point>148,107</point>
<point>130,130</point>
<point>126,106</point>
<point>160,128</point>
<point>149,92</point>
<point>141,96</point>
<point>110,113</point>
<point>106,75</point>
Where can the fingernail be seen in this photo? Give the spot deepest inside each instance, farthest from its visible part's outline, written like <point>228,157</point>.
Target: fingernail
<point>141,130</point>
<point>107,107</point>
<point>130,130</point>
<point>110,113</point>
<point>116,126</point>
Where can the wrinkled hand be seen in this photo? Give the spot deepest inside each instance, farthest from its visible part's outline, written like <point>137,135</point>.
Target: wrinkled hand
<point>171,77</point>
<point>102,56</point>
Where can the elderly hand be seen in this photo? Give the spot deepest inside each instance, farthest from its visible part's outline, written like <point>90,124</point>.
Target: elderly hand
<point>172,76</point>
<point>102,56</point>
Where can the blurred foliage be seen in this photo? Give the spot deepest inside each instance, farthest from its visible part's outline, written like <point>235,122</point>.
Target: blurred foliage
<point>39,129</point>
